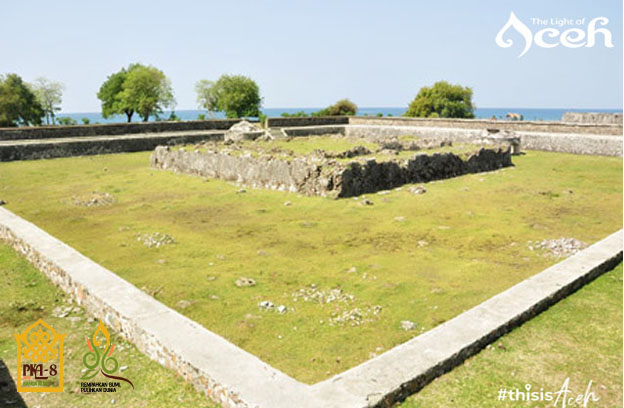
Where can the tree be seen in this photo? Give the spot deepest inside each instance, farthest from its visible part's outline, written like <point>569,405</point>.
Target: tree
<point>138,88</point>
<point>147,91</point>
<point>343,107</point>
<point>67,121</point>
<point>236,95</point>
<point>110,95</point>
<point>18,103</point>
<point>206,96</point>
<point>442,100</point>
<point>50,96</point>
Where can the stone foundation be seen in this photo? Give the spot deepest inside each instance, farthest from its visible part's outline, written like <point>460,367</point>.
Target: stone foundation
<point>311,175</point>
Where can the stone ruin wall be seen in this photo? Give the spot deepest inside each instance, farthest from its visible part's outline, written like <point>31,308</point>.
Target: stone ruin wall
<point>593,118</point>
<point>327,178</point>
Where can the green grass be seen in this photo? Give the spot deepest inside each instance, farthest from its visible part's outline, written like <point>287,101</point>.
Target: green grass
<point>27,296</point>
<point>457,245</point>
<point>579,337</point>
<point>287,149</point>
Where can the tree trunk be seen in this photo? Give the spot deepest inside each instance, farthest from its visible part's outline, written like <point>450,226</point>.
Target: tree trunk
<point>129,115</point>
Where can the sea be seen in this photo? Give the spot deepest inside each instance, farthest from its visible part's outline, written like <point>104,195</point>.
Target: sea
<point>482,113</point>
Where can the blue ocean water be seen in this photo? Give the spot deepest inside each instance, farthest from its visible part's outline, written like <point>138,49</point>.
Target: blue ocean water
<point>483,113</point>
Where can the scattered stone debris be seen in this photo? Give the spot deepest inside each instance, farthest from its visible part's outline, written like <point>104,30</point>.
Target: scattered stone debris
<point>244,282</point>
<point>352,269</point>
<point>62,311</point>
<point>241,191</point>
<point>183,304</point>
<point>262,253</point>
<point>155,240</point>
<point>422,243</point>
<point>366,201</point>
<point>400,218</point>
<point>211,278</point>
<point>267,305</point>
<point>243,130</point>
<point>315,295</point>
<point>95,199</point>
<point>355,317</point>
<point>417,190</point>
<point>2,202</point>
<point>287,203</point>
<point>408,325</point>
<point>558,248</point>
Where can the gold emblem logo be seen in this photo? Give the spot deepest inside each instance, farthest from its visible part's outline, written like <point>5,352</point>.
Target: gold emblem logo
<point>39,359</point>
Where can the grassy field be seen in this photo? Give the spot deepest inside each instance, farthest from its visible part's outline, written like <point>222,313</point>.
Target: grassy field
<point>27,296</point>
<point>578,338</point>
<point>363,269</point>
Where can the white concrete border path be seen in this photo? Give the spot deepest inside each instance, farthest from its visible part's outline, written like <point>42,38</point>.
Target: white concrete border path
<point>236,378</point>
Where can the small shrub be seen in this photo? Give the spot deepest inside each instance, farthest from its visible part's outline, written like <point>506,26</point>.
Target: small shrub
<point>66,121</point>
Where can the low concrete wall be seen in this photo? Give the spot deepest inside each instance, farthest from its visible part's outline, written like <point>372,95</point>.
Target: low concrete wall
<point>598,128</point>
<point>601,145</point>
<point>308,121</point>
<point>315,130</point>
<point>315,176</point>
<point>593,118</point>
<point>518,126</point>
<point>43,149</point>
<point>56,132</point>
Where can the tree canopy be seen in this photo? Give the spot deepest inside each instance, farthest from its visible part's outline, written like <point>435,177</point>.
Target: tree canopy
<point>18,103</point>
<point>139,88</point>
<point>50,96</point>
<point>442,100</point>
<point>343,107</point>
<point>236,95</point>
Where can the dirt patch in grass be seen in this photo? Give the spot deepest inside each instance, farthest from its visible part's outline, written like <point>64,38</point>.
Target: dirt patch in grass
<point>462,241</point>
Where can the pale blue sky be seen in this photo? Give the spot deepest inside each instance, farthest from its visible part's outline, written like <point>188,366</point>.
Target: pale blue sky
<point>309,54</point>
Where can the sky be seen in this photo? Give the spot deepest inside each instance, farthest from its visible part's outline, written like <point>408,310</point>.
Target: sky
<point>310,54</point>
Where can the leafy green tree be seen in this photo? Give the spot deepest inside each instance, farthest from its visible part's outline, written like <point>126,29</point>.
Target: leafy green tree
<point>50,96</point>
<point>67,121</point>
<point>18,103</point>
<point>442,100</point>
<point>110,95</point>
<point>147,91</point>
<point>343,107</point>
<point>207,96</point>
<point>236,95</point>
<point>138,88</point>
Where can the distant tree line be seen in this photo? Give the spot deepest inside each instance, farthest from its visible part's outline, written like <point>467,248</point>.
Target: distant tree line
<point>144,90</point>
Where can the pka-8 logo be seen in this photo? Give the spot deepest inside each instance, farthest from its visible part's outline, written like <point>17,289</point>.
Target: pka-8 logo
<point>39,359</point>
